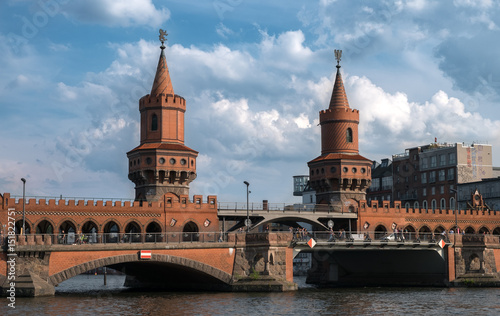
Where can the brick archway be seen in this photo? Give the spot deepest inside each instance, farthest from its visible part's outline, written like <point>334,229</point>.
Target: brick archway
<point>184,262</point>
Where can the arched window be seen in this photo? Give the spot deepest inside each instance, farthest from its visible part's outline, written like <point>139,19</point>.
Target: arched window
<point>433,204</point>
<point>415,205</point>
<point>442,205</point>
<point>407,206</point>
<point>424,205</point>
<point>349,135</point>
<point>154,122</point>
<point>452,203</point>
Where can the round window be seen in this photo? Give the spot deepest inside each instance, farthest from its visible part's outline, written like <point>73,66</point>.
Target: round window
<point>183,161</point>
<point>345,169</point>
<point>363,170</point>
<point>162,160</point>
<point>172,161</point>
<point>333,169</point>
<point>149,161</point>
<point>322,170</point>
<point>354,170</point>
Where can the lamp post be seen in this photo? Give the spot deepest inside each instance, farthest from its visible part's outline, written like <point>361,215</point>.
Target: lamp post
<point>24,202</point>
<point>456,209</point>
<point>248,216</point>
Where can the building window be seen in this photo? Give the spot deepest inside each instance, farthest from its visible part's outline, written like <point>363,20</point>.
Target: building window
<point>433,191</point>
<point>432,176</point>
<point>424,177</point>
<point>424,163</point>
<point>442,175</point>
<point>441,190</point>
<point>442,160</point>
<point>433,162</point>
<point>433,204</point>
<point>442,205</point>
<point>451,158</point>
<point>415,205</point>
<point>154,122</point>
<point>451,174</point>
<point>424,205</point>
<point>424,192</point>
<point>349,135</point>
<point>452,203</point>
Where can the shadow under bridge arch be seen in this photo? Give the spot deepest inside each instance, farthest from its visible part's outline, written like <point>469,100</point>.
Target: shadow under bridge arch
<point>165,272</point>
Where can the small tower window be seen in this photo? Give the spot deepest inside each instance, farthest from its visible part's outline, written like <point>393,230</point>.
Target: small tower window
<point>349,135</point>
<point>154,123</point>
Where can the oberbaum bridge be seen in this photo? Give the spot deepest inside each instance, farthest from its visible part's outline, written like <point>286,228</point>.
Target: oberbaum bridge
<point>165,240</point>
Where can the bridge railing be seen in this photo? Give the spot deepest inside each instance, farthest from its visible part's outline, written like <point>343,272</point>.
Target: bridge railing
<point>118,238</point>
<point>334,236</point>
<point>281,207</point>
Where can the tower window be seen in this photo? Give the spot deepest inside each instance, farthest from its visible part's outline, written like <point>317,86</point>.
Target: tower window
<point>154,122</point>
<point>349,135</point>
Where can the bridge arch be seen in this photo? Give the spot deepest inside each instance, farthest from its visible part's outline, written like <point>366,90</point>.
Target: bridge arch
<point>111,230</point>
<point>153,231</point>
<point>27,226</point>
<point>380,231</point>
<point>218,274</point>
<point>439,229</point>
<point>496,231</point>
<point>44,226</point>
<point>68,225</point>
<point>190,231</point>
<point>470,230</point>
<point>90,226</point>
<point>132,231</point>
<point>483,230</point>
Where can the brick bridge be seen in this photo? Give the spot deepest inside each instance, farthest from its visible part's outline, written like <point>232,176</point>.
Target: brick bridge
<point>239,262</point>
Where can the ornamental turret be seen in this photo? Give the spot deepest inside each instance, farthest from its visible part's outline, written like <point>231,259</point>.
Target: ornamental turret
<point>340,176</point>
<point>161,163</point>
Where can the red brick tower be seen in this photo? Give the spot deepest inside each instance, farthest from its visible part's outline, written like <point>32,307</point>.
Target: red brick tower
<point>340,176</point>
<point>161,163</point>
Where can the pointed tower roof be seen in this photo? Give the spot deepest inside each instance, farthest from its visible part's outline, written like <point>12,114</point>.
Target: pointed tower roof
<point>339,98</point>
<point>162,83</point>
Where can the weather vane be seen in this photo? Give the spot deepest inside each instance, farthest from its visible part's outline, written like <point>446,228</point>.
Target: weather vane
<point>163,36</point>
<point>338,56</point>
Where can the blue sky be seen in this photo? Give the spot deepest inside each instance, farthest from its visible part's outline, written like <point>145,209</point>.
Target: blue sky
<point>255,74</point>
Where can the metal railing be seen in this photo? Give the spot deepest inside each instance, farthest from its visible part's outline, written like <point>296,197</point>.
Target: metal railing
<point>279,207</point>
<point>335,236</point>
<point>117,238</point>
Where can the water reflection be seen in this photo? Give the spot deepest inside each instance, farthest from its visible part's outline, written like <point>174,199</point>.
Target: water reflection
<point>85,295</point>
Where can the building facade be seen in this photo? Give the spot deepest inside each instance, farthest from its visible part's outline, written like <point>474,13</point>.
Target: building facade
<point>381,187</point>
<point>427,176</point>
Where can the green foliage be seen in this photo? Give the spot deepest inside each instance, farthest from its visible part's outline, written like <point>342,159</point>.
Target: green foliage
<point>254,275</point>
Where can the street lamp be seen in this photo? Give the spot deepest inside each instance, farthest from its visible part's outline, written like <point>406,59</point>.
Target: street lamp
<point>248,216</point>
<point>24,202</point>
<point>456,209</point>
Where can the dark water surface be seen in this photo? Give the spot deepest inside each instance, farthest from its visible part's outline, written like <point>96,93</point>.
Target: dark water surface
<point>86,295</point>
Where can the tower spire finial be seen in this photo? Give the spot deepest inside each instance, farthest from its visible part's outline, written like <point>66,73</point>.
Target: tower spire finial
<point>163,38</point>
<point>338,56</point>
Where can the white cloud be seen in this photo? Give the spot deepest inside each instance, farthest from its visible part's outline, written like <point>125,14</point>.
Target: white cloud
<point>116,12</point>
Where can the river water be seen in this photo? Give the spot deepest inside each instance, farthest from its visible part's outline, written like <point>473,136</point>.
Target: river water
<point>86,295</point>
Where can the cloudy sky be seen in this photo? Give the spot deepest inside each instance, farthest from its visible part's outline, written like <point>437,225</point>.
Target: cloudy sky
<point>255,74</point>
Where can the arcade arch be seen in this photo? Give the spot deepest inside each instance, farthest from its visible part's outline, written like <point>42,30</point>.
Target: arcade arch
<point>380,231</point>
<point>111,232</point>
<point>190,232</point>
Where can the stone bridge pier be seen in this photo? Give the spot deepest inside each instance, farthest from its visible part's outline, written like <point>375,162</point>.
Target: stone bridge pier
<point>243,262</point>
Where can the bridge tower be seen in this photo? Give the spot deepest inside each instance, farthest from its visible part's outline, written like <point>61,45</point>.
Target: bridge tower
<point>340,175</point>
<point>161,163</point>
